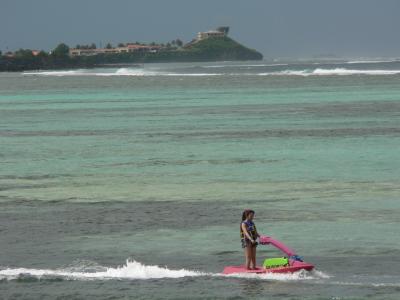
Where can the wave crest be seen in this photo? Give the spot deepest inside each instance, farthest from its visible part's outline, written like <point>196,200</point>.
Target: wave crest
<point>330,72</point>
<point>140,72</point>
<point>113,72</point>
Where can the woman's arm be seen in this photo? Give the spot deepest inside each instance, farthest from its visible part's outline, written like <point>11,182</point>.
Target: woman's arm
<point>257,234</point>
<point>246,234</point>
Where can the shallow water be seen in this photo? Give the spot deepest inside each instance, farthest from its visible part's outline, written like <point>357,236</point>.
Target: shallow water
<point>155,164</point>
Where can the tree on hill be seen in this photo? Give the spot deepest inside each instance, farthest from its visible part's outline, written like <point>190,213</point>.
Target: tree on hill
<point>62,50</point>
<point>224,29</point>
<point>93,46</point>
<point>179,43</point>
<point>109,46</point>
<point>42,54</point>
<point>24,54</point>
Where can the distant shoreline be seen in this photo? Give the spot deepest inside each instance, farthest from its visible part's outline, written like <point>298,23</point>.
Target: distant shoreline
<point>210,49</point>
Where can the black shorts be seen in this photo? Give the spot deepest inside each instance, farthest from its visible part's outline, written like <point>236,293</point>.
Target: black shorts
<point>247,242</point>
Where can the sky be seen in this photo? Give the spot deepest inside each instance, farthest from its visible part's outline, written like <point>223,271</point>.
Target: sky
<point>277,28</point>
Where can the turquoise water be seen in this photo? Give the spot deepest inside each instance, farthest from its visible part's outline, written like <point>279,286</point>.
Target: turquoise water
<point>155,165</point>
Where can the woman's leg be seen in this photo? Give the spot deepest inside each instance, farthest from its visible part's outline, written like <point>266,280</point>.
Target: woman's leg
<point>248,254</point>
<point>253,256</point>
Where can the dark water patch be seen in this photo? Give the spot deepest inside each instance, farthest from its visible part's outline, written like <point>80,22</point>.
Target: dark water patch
<point>39,185</point>
<point>27,278</point>
<point>272,200</point>
<point>159,162</point>
<point>80,101</point>
<point>282,133</point>
<point>352,109</point>
<point>34,177</point>
<point>320,110</point>
<point>60,133</point>
<point>223,253</point>
<point>24,278</point>
<point>368,252</point>
<point>9,187</point>
<point>18,200</point>
<point>378,215</point>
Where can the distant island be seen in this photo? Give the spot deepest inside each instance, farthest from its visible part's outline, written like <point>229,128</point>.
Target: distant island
<point>214,45</point>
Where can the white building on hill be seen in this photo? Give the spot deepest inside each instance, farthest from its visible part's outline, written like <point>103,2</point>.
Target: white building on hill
<point>126,49</point>
<point>210,33</point>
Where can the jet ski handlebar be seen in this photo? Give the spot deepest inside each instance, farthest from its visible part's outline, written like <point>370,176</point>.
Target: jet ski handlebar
<point>266,240</point>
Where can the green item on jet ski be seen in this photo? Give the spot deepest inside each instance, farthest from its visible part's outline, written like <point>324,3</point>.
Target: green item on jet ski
<point>275,262</point>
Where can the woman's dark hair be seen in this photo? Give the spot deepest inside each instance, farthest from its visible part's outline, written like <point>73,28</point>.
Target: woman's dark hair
<point>246,213</point>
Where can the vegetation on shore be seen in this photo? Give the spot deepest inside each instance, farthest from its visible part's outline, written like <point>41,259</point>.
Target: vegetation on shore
<point>211,49</point>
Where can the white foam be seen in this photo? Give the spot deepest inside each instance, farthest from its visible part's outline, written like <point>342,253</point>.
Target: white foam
<point>343,71</point>
<point>191,74</point>
<point>238,65</point>
<point>144,72</point>
<point>56,73</point>
<point>113,72</point>
<point>87,72</point>
<point>128,72</point>
<point>131,270</point>
<point>297,276</point>
<point>372,61</point>
<point>330,72</point>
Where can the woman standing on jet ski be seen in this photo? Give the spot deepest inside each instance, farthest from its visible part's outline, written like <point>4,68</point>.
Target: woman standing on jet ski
<point>249,235</point>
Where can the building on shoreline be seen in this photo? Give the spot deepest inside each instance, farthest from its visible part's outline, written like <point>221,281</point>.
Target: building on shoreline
<point>220,32</point>
<point>210,34</point>
<point>128,48</point>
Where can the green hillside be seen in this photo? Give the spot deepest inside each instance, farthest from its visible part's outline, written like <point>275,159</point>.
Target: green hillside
<point>223,49</point>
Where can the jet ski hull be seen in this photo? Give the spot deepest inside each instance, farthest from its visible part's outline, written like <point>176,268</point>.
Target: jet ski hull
<point>293,267</point>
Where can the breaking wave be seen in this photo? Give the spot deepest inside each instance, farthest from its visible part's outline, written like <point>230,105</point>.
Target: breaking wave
<point>372,61</point>
<point>144,72</point>
<point>113,72</point>
<point>331,72</point>
<point>244,66</point>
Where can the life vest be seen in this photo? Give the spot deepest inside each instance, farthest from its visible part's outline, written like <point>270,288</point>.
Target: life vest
<point>251,229</point>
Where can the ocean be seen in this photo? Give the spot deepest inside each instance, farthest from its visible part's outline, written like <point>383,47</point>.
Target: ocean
<point>129,182</point>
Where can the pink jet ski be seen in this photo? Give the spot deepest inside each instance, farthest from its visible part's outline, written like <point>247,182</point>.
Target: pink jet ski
<point>291,263</point>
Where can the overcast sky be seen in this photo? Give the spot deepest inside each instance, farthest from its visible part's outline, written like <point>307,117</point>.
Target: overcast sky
<point>277,28</point>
